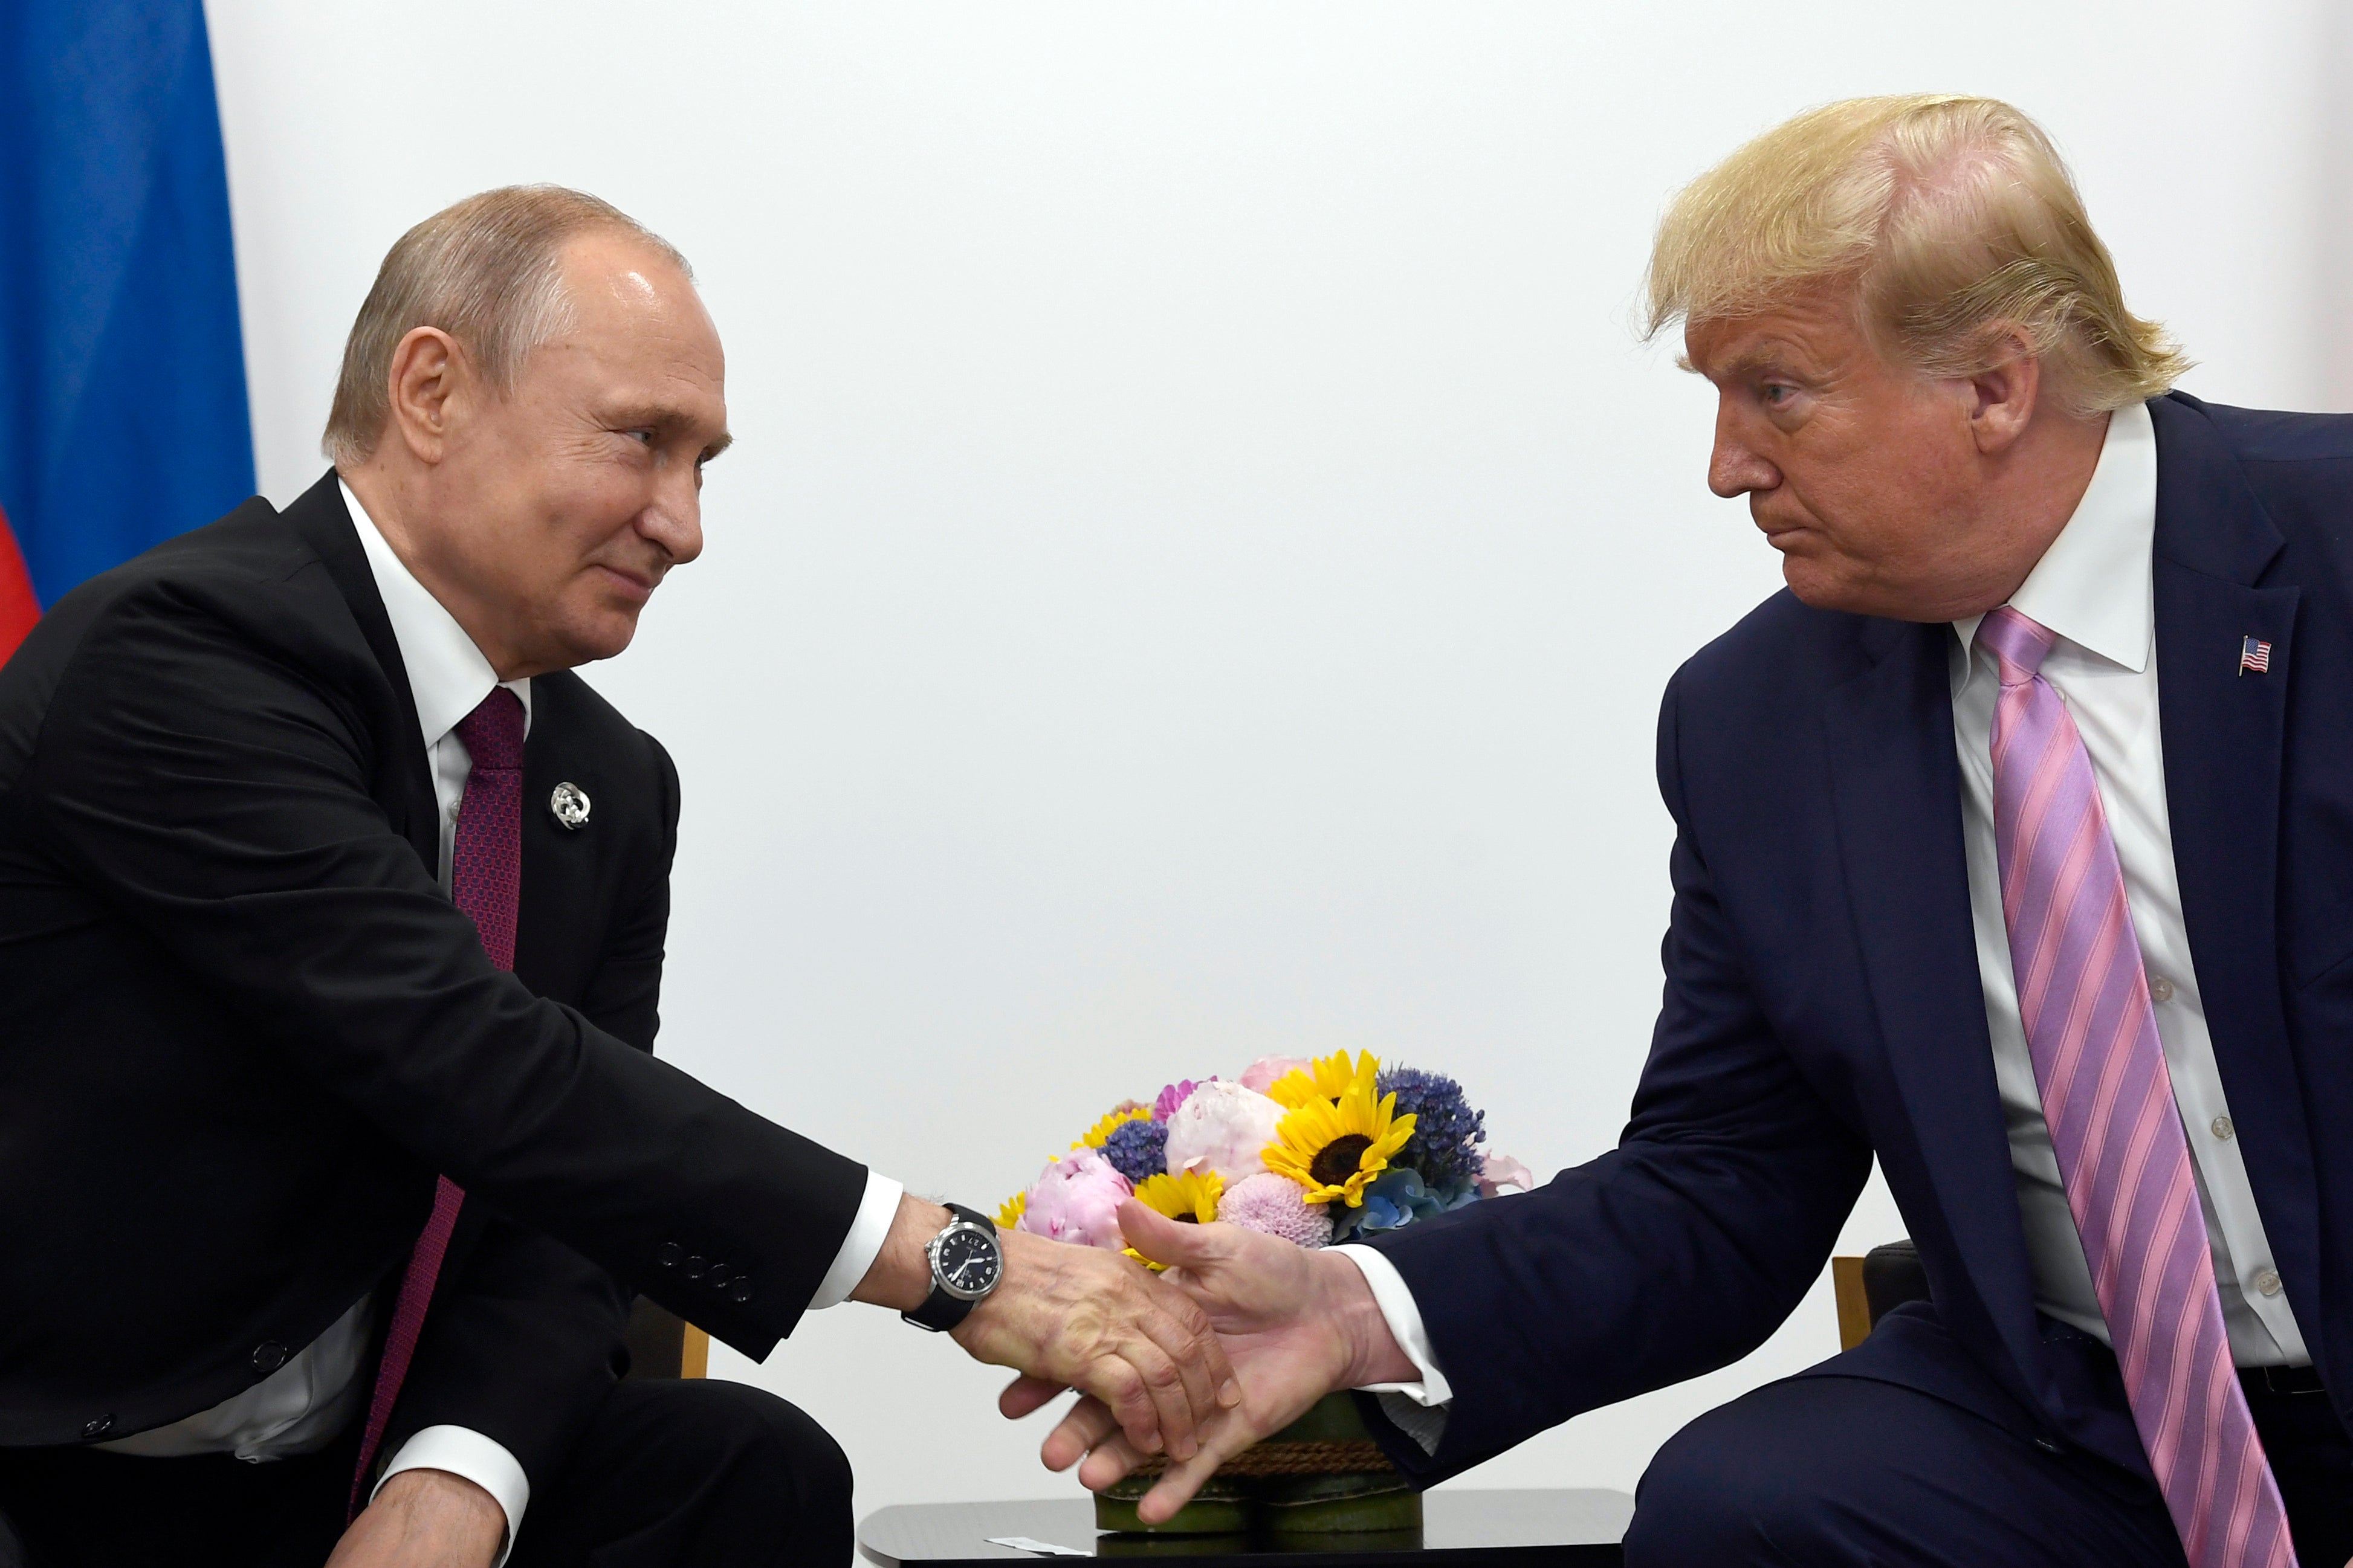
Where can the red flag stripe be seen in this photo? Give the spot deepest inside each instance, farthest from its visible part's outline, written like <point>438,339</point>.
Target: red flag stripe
<point>18,608</point>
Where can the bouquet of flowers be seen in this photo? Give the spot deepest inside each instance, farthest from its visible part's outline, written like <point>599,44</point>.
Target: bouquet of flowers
<point>1313,1151</point>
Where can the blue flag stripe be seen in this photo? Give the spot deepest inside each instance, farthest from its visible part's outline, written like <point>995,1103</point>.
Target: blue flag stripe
<point>122,403</point>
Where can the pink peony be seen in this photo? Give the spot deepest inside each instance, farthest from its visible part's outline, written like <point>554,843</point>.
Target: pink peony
<point>1076,1199</point>
<point>1261,1074</point>
<point>1272,1205</point>
<point>1223,1127</point>
<point>1174,1095</point>
<point>1501,1170</point>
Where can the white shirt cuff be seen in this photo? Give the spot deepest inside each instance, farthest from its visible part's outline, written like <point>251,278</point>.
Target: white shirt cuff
<point>467,1453</point>
<point>863,1245</point>
<point>1404,1319</point>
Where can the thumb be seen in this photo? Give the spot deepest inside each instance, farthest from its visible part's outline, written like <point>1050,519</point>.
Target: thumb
<point>1164,1240</point>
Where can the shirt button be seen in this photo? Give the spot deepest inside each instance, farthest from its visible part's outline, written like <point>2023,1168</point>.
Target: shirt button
<point>2160,989</point>
<point>741,1291</point>
<point>2221,1126</point>
<point>269,1356</point>
<point>670,1254</point>
<point>98,1427</point>
<point>696,1265</point>
<point>2268,1282</point>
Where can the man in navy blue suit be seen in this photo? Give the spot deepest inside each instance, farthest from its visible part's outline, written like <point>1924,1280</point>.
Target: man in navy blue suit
<point>2014,847</point>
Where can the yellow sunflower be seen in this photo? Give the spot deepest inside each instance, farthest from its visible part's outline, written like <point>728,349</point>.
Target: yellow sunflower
<point>1111,1120</point>
<point>1327,1079</point>
<point>1190,1197</point>
<point>1009,1211</point>
<point>1333,1149</point>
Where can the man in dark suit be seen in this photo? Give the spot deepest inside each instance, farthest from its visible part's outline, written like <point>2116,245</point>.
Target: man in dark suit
<point>332,921</point>
<point>2012,848</point>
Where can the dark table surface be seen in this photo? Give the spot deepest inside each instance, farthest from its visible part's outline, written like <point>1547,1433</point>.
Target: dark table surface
<point>1474,1529</point>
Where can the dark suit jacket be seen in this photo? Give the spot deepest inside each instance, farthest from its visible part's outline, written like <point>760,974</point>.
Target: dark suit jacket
<point>244,1026</point>
<point>1822,1001</point>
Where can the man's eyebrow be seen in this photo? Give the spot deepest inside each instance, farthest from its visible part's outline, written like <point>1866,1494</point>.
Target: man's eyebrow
<point>724,441</point>
<point>1771,353</point>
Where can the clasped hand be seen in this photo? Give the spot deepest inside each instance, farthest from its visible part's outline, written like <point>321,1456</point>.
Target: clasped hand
<point>1295,1323</point>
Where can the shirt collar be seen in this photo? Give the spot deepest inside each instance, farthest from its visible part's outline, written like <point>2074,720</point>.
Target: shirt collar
<point>448,675</point>
<point>2092,586</point>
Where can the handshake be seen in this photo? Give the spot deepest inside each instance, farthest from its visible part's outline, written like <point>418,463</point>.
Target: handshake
<point>1189,1340</point>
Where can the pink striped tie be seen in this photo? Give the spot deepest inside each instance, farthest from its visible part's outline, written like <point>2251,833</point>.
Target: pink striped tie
<point>486,881</point>
<point>2109,1101</point>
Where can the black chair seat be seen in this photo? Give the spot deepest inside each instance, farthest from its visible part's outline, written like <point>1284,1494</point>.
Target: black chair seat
<point>1892,1274</point>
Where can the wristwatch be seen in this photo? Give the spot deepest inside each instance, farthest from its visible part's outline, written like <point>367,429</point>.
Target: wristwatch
<point>966,1264</point>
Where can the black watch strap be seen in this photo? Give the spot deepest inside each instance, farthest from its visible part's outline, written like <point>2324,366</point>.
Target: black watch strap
<point>940,1310</point>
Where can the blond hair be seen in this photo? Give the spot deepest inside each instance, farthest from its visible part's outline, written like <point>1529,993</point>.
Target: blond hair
<point>1953,219</point>
<point>486,270</point>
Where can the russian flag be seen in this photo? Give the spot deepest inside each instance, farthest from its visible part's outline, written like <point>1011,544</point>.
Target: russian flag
<point>122,408</point>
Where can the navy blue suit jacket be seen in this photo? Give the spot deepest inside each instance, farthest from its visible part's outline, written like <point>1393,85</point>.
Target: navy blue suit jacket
<point>1822,1000</point>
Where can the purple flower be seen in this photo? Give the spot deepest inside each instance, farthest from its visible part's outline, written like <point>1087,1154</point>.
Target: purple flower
<point>1138,1149</point>
<point>1446,1130</point>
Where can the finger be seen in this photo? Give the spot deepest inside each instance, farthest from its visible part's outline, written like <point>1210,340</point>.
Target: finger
<point>1112,1378</point>
<point>1024,1395</point>
<point>1183,1330</point>
<point>1086,1426</point>
<point>1225,1437</point>
<point>1164,1386</point>
<point>1180,1331</point>
<point>1111,1461</point>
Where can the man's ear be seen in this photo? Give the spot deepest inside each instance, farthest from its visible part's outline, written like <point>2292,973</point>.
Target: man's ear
<point>430,377</point>
<point>2002,397</point>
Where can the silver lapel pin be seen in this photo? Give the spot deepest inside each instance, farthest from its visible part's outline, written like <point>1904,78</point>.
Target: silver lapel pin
<point>569,807</point>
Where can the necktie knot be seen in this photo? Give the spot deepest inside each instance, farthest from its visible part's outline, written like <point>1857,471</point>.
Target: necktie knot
<point>492,732</point>
<point>2018,645</point>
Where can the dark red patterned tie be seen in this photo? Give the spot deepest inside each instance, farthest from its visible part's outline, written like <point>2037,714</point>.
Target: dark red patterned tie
<point>486,881</point>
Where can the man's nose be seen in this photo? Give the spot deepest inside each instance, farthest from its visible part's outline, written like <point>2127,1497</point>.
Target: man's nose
<point>674,521</point>
<point>1735,467</point>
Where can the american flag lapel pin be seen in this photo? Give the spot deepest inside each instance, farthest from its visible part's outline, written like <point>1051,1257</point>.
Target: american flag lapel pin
<point>2255,655</point>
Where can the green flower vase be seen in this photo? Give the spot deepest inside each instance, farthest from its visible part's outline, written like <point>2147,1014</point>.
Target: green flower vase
<point>1322,1475</point>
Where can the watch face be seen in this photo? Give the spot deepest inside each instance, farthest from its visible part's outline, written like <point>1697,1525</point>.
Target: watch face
<point>968,1262</point>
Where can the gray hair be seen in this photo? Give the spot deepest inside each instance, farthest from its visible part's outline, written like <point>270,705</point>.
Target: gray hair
<point>488,271</point>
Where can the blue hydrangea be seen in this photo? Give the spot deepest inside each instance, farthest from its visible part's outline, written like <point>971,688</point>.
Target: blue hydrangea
<point>1446,1131</point>
<point>1138,1149</point>
<point>1396,1197</point>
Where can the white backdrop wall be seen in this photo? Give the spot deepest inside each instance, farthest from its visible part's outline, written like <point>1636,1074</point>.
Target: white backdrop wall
<point>1204,546</point>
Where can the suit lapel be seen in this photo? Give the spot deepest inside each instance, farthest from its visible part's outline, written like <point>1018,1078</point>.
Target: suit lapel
<point>326,526</point>
<point>2223,734</point>
<point>554,936</point>
<point>1895,786</point>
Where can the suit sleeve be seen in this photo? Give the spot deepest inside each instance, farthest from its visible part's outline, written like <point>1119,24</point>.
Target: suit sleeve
<point>1673,1253</point>
<point>198,773</point>
<point>525,1340</point>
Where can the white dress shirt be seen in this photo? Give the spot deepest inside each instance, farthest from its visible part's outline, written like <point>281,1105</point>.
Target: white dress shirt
<point>2094,588</point>
<point>306,1403</point>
